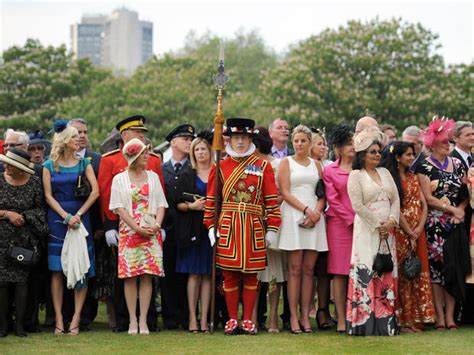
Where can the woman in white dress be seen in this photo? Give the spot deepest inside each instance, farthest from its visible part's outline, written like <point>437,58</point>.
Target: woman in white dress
<point>303,230</point>
<point>371,296</point>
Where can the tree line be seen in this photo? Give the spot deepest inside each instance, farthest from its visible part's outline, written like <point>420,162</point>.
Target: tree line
<point>389,68</point>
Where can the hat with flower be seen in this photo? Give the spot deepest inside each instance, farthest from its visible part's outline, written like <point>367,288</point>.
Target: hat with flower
<point>439,129</point>
<point>133,149</point>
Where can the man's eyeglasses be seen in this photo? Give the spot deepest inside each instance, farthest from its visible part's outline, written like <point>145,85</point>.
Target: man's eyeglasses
<point>11,145</point>
<point>36,148</point>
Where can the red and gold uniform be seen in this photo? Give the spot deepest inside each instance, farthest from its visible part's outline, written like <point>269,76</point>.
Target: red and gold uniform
<point>111,164</point>
<point>248,193</point>
<point>249,209</point>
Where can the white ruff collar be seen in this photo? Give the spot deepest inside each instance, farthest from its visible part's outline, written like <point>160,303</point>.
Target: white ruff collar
<point>233,154</point>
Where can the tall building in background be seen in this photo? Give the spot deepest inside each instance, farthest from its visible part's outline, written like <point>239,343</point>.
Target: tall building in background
<point>119,41</point>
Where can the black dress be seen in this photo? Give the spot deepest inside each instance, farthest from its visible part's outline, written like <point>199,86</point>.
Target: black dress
<point>27,199</point>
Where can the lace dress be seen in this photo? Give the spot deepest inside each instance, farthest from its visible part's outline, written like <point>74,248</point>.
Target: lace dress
<point>371,299</point>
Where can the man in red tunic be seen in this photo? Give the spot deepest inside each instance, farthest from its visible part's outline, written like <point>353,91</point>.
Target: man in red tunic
<point>111,164</point>
<point>249,219</point>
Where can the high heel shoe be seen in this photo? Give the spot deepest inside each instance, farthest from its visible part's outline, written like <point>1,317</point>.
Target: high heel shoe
<point>133,330</point>
<point>322,326</point>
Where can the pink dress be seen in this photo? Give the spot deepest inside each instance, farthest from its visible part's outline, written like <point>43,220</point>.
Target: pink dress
<point>339,219</point>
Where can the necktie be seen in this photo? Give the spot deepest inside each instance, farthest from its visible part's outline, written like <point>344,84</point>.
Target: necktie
<point>177,167</point>
<point>469,161</point>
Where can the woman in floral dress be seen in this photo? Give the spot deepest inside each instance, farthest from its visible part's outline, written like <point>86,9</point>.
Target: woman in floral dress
<point>371,297</point>
<point>414,295</point>
<point>138,198</point>
<point>441,179</point>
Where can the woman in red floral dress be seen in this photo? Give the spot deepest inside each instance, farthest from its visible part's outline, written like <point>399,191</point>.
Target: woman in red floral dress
<point>414,295</point>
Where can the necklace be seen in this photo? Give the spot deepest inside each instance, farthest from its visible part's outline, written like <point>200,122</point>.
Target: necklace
<point>137,178</point>
<point>438,163</point>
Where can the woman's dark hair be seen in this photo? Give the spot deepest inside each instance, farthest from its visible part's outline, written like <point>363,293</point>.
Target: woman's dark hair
<point>339,137</point>
<point>358,162</point>
<point>396,150</point>
<point>263,141</point>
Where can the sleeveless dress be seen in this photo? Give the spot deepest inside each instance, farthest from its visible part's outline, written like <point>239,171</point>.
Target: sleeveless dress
<point>63,184</point>
<point>138,255</point>
<point>303,180</point>
<point>196,259</point>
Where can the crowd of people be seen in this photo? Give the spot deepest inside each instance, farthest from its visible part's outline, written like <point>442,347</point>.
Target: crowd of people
<point>378,225</point>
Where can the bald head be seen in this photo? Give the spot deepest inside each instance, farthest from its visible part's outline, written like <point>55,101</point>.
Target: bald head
<point>365,122</point>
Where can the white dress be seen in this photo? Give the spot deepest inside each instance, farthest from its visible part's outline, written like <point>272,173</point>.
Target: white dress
<point>276,270</point>
<point>303,180</point>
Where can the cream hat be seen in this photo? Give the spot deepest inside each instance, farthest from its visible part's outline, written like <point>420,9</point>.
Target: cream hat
<point>366,137</point>
<point>19,159</point>
<point>132,150</point>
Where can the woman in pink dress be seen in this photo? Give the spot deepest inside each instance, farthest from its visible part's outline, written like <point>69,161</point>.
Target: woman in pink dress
<point>340,217</point>
<point>138,198</point>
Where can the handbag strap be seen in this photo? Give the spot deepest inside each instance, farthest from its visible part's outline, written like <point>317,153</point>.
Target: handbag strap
<point>388,247</point>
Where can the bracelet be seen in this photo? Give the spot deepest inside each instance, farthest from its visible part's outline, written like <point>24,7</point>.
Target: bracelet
<point>79,214</point>
<point>68,217</point>
<point>158,225</point>
<point>4,215</point>
<point>304,211</point>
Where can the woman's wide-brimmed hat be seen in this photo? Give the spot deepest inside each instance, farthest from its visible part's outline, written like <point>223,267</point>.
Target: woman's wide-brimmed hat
<point>132,150</point>
<point>365,138</point>
<point>19,159</point>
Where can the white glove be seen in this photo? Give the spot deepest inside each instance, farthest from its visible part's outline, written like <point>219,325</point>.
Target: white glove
<point>163,235</point>
<point>111,237</point>
<point>212,237</point>
<point>271,238</point>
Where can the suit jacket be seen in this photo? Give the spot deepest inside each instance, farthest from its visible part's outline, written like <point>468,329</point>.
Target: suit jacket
<point>468,210</point>
<point>172,182</point>
<point>94,212</point>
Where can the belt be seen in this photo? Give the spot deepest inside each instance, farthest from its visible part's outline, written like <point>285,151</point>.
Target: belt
<point>242,207</point>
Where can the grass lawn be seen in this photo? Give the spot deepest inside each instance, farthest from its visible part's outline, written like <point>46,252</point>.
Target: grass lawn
<point>102,341</point>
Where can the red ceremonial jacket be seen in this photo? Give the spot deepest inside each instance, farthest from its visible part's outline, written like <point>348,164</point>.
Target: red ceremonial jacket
<point>249,209</point>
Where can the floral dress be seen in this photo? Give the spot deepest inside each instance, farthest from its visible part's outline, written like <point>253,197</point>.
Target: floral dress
<point>371,298</point>
<point>447,186</point>
<point>139,255</point>
<point>414,296</point>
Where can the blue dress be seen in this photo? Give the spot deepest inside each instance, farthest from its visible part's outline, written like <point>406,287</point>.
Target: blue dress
<point>196,259</point>
<point>63,183</point>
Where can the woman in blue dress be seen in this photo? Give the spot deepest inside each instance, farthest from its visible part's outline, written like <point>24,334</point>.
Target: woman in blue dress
<point>194,250</point>
<point>60,177</point>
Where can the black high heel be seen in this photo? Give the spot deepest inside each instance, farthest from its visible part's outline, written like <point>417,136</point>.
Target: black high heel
<point>322,326</point>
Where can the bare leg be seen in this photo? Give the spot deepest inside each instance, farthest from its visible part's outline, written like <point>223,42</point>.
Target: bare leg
<point>307,291</point>
<point>274,296</point>
<point>193,293</point>
<point>340,297</point>
<point>144,297</point>
<point>295,261</point>
<point>130,291</point>
<point>323,289</point>
<point>79,299</point>
<point>450,304</point>
<point>438,298</point>
<point>57,295</point>
<point>205,300</point>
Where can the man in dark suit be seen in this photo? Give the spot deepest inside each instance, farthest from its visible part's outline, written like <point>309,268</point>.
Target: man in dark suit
<point>280,134</point>
<point>464,142</point>
<point>411,134</point>
<point>173,285</point>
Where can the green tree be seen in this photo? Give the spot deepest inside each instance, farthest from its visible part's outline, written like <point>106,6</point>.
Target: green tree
<point>390,68</point>
<point>35,79</point>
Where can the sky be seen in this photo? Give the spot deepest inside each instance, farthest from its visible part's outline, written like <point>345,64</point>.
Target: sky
<point>281,23</point>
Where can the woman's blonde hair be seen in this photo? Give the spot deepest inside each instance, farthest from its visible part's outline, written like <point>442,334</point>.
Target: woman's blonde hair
<point>192,156</point>
<point>60,140</point>
<point>301,129</point>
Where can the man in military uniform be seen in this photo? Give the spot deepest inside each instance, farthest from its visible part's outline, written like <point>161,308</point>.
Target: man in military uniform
<point>111,164</point>
<point>248,194</point>
<point>173,285</point>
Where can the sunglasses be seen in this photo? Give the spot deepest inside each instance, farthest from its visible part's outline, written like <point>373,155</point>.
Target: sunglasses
<point>374,152</point>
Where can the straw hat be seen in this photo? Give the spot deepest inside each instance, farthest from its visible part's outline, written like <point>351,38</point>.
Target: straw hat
<point>19,159</point>
<point>365,138</point>
<point>132,150</point>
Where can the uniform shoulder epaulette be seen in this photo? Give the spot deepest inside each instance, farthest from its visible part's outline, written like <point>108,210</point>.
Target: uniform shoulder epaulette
<point>110,153</point>
<point>155,155</point>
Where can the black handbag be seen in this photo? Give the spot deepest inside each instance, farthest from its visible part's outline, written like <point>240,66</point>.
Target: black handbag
<point>24,256</point>
<point>383,262</point>
<point>320,189</point>
<point>412,266</point>
<point>83,186</point>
